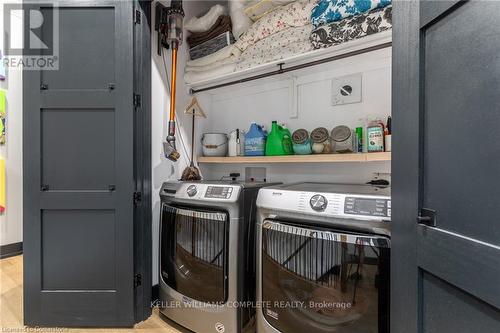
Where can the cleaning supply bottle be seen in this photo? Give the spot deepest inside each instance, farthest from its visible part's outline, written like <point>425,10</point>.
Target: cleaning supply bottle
<point>287,140</point>
<point>375,136</point>
<point>255,141</point>
<point>278,141</point>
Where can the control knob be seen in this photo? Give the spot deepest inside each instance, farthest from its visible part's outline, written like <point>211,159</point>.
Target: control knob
<point>318,203</point>
<point>192,190</point>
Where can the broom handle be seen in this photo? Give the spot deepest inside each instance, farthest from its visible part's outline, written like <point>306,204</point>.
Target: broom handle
<point>192,141</point>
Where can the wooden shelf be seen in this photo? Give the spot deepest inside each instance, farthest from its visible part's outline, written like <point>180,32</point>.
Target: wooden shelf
<point>322,158</point>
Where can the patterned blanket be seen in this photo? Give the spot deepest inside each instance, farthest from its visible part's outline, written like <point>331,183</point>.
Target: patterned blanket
<point>355,27</point>
<point>327,11</point>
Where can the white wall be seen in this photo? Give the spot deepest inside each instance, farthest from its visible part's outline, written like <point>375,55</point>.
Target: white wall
<point>11,222</point>
<point>271,99</point>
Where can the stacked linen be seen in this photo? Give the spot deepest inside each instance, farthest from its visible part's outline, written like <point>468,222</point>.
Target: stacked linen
<point>295,14</point>
<point>209,33</point>
<point>282,32</point>
<point>327,11</point>
<point>335,33</point>
<point>282,45</point>
<point>211,66</point>
<point>279,34</point>
<point>256,9</point>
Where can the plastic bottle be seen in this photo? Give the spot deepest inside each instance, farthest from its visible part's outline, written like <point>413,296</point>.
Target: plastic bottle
<point>287,140</point>
<point>279,141</point>
<point>255,141</point>
<point>375,136</point>
<point>359,137</point>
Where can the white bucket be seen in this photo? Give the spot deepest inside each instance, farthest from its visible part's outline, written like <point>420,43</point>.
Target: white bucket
<point>214,144</point>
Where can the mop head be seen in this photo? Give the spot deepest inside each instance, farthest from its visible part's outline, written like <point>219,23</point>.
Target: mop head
<point>191,173</point>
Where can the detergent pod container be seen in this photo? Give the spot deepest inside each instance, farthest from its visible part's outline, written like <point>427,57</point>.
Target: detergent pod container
<point>301,142</point>
<point>255,141</point>
<point>279,141</point>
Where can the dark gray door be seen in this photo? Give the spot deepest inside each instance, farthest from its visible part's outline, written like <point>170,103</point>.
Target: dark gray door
<point>79,177</point>
<point>446,158</point>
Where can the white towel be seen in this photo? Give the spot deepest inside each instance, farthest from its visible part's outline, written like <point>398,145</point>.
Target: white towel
<point>227,52</point>
<point>226,61</point>
<point>204,23</point>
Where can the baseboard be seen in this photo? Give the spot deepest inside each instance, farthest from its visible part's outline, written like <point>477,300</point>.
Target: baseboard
<point>155,294</point>
<point>11,250</point>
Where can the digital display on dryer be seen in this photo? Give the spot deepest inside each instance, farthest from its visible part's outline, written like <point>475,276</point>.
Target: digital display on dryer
<point>367,207</point>
<point>218,192</point>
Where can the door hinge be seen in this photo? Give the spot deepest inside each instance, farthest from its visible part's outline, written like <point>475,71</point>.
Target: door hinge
<point>137,280</point>
<point>137,198</point>
<point>137,100</point>
<point>137,16</point>
<point>427,216</point>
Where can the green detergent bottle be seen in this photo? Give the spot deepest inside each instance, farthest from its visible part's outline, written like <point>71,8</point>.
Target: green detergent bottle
<point>279,141</point>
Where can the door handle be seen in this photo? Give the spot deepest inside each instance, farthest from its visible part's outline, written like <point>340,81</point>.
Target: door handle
<point>427,217</point>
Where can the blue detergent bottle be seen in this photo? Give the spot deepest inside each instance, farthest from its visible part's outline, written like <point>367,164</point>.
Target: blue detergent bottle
<point>255,141</point>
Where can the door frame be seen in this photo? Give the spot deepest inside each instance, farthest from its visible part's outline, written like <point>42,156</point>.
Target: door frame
<point>143,236</point>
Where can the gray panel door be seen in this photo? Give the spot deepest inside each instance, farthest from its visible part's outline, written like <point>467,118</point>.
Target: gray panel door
<point>79,172</point>
<point>446,167</point>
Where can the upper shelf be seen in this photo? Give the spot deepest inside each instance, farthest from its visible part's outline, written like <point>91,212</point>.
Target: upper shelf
<point>320,158</point>
<point>358,46</point>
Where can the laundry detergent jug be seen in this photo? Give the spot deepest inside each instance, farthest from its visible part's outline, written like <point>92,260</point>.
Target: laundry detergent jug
<point>255,141</point>
<point>279,141</point>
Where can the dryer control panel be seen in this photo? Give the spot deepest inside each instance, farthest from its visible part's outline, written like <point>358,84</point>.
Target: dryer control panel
<point>219,192</point>
<point>367,206</point>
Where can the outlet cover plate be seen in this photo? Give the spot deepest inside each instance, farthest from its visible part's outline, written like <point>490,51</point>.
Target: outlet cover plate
<point>347,89</point>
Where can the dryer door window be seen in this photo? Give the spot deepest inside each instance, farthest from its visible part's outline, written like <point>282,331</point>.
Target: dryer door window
<point>194,252</point>
<point>319,280</point>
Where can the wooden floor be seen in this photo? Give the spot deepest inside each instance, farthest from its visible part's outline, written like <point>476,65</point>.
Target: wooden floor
<point>11,305</point>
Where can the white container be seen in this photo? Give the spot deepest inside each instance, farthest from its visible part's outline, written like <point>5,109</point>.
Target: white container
<point>236,143</point>
<point>214,144</point>
<point>388,142</point>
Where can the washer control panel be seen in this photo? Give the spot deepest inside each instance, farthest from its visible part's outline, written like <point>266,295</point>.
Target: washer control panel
<point>219,192</point>
<point>367,206</point>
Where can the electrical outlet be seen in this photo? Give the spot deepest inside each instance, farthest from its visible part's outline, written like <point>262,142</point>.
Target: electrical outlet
<point>346,89</point>
<point>255,174</point>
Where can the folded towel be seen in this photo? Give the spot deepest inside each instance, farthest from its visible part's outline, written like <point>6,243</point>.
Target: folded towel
<point>295,14</point>
<point>257,10</point>
<point>226,61</point>
<point>222,54</point>
<point>192,77</point>
<point>284,44</point>
<point>327,11</point>
<point>204,23</point>
<point>222,25</point>
<point>352,28</point>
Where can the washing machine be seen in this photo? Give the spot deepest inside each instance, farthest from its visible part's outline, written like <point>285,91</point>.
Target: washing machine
<point>207,255</point>
<point>323,258</point>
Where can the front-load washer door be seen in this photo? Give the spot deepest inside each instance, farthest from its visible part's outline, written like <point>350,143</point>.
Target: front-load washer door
<point>194,252</point>
<point>322,280</point>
